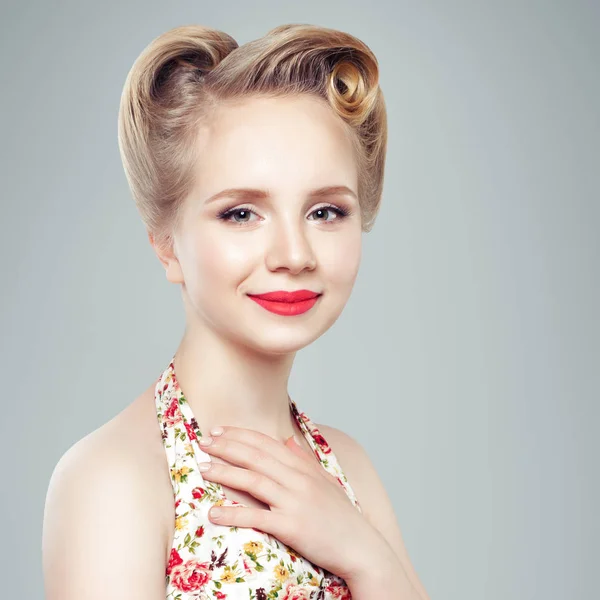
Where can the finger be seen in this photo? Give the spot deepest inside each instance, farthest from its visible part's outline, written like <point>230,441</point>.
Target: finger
<point>262,443</point>
<point>261,520</point>
<point>299,451</point>
<point>284,467</point>
<point>256,484</point>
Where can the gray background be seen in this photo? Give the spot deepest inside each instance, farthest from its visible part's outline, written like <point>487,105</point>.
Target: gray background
<point>467,359</point>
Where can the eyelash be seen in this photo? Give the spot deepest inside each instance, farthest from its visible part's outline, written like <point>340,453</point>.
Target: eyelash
<point>228,212</point>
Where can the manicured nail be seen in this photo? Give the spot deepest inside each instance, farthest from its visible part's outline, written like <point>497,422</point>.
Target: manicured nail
<point>203,466</point>
<point>205,441</point>
<point>216,430</point>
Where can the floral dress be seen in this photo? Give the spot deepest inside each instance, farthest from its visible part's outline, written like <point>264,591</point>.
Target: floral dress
<point>211,561</point>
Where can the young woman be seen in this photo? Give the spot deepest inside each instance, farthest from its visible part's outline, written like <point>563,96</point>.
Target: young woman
<point>255,169</point>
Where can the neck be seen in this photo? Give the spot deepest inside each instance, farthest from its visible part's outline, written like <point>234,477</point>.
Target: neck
<point>228,384</point>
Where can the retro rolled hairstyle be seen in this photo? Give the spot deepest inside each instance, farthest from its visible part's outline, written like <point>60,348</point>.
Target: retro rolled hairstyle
<point>188,72</point>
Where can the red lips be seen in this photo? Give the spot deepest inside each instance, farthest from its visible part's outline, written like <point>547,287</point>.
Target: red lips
<point>283,296</point>
<point>287,304</point>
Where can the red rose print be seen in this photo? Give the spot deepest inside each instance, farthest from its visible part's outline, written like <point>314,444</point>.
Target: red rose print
<point>322,443</point>
<point>174,560</point>
<point>197,493</point>
<point>190,576</point>
<point>338,590</point>
<point>298,592</point>
<point>172,416</point>
<point>191,433</point>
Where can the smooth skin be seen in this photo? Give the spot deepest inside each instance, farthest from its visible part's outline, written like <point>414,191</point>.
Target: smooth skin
<point>109,514</point>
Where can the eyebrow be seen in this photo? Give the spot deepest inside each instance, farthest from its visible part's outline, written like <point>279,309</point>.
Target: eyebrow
<point>249,194</point>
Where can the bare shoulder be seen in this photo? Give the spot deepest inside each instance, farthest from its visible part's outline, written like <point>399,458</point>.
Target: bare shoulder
<point>107,510</point>
<point>371,494</point>
<point>361,474</point>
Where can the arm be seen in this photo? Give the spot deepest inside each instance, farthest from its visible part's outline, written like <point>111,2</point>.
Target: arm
<point>378,510</point>
<point>102,536</point>
<point>385,580</point>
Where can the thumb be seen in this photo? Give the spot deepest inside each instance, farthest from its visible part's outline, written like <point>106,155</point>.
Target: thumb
<point>299,451</point>
<point>296,448</point>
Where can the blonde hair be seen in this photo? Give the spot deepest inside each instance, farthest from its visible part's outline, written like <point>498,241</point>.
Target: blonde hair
<point>189,71</point>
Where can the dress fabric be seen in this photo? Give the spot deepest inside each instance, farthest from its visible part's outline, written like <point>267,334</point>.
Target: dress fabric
<point>211,561</point>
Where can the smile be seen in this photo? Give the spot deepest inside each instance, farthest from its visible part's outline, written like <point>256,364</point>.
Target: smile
<point>286,303</point>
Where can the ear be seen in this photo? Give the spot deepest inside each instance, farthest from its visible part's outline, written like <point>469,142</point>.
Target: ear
<point>169,261</point>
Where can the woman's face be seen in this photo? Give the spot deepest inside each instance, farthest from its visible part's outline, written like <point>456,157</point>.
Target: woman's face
<point>282,236</point>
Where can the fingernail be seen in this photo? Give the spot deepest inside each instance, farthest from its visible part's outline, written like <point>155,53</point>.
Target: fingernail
<point>207,441</point>
<point>216,430</point>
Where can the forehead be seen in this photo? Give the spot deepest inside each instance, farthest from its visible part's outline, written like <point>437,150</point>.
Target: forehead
<point>294,141</point>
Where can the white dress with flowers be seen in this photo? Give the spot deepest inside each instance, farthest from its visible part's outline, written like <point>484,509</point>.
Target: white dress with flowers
<point>210,561</point>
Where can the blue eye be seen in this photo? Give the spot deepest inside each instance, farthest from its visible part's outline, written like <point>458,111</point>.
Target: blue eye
<point>340,212</point>
<point>246,211</point>
<point>229,212</point>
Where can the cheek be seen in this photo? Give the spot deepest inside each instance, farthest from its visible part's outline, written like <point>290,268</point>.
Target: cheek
<point>222,261</point>
<point>340,261</point>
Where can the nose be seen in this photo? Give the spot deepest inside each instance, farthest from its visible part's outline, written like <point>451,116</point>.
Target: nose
<point>289,248</point>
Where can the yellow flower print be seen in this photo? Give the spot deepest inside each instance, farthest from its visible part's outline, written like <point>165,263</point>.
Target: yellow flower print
<point>180,522</point>
<point>177,474</point>
<point>281,573</point>
<point>253,547</point>
<point>229,575</point>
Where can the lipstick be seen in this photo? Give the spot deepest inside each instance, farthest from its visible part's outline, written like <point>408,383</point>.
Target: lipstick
<point>286,303</point>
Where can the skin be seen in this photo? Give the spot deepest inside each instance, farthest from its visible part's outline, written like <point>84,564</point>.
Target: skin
<point>233,362</point>
<point>235,358</point>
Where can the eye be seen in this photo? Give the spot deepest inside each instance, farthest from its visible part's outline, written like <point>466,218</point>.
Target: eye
<point>243,211</point>
<point>330,209</point>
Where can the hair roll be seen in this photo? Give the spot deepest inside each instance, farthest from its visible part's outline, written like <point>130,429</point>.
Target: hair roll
<point>189,71</point>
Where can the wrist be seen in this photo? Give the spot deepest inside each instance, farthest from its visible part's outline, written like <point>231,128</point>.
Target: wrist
<point>382,577</point>
<point>386,580</point>
<point>378,567</point>
<point>373,560</point>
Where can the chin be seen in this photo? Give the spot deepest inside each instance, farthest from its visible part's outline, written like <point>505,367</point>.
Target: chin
<point>280,339</point>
